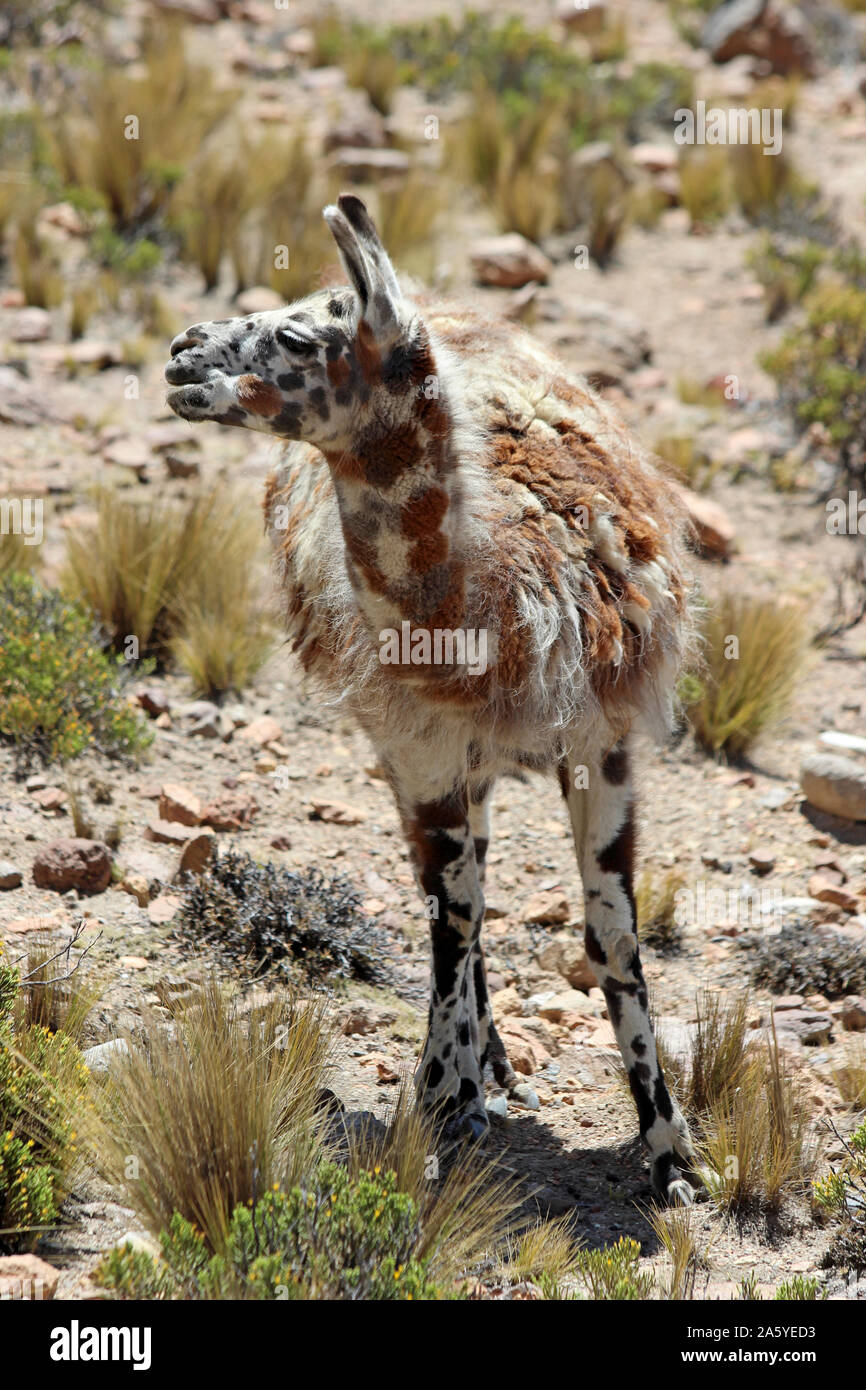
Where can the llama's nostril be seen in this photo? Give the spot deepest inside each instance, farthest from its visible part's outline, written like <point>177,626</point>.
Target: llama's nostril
<point>184,340</point>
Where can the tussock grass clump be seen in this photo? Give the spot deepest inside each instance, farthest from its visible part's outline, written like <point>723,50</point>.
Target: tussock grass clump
<point>55,993</point>
<point>176,105</point>
<point>60,692</point>
<point>180,578</point>
<point>850,1078</point>
<point>466,1207</point>
<point>751,1120</point>
<point>758,1142</point>
<point>754,652</point>
<point>546,1253</point>
<point>674,1231</point>
<point>807,959</point>
<point>719,1054</point>
<point>16,555</point>
<point>269,917</point>
<point>656,902</point>
<point>705,183</point>
<point>215,1111</point>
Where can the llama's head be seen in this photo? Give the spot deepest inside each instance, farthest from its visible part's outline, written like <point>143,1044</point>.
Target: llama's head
<point>326,368</point>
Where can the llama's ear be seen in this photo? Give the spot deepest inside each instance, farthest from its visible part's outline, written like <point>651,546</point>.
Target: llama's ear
<point>366,262</point>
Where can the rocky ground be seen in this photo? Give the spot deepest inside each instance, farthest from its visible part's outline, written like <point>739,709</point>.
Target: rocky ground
<point>301,784</point>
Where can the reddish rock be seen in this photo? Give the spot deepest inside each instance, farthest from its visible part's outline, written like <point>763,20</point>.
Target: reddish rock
<point>261,732</point>
<point>166,832</point>
<point>823,887</point>
<point>50,798</point>
<point>197,852</point>
<point>73,863</point>
<point>509,262</point>
<point>163,908</point>
<point>713,531</point>
<point>153,701</point>
<point>549,909</point>
<point>852,1014</point>
<point>230,811</point>
<point>179,803</point>
<point>27,1278</point>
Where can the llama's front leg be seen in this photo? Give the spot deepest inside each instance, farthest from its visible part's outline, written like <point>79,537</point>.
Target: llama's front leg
<point>601,805</point>
<point>494,1059</point>
<point>449,1074</point>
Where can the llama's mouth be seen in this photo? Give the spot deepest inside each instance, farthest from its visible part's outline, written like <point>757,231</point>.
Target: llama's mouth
<point>190,401</point>
<point>186,368</point>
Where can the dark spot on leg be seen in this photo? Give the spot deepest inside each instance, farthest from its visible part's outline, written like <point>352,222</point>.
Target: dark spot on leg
<point>594,947</point>
<point>614,766</point>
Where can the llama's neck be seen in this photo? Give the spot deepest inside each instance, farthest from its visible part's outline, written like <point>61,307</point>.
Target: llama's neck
<point>400,492</point>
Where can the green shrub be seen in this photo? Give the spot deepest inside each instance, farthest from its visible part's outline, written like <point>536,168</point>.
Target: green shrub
<point>614,1272</point>
<point>59,692</point>
<point>43,1082</point>
<point>335,1237</point>
<point>820,366</point>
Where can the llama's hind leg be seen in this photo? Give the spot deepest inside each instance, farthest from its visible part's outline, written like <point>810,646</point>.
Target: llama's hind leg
<point>449,1074</point>
<point>600,800</point>
<point>494,1059</point>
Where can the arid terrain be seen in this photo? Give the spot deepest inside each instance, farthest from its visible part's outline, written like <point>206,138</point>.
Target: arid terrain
<point>676,309</point>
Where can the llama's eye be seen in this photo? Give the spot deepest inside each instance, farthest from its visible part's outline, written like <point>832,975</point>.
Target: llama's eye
<point>301,346</point>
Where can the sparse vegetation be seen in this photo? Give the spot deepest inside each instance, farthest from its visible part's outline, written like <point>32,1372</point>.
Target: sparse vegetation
<point>43,1083</point>
<point>656,901</point>
<point>808,958</point>
<point>754,652</point>
<point>60,692</point>
<point>265,916</point>
<point>148,571</point>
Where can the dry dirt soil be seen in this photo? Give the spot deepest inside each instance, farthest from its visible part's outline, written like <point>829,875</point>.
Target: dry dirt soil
<point>703,314</point>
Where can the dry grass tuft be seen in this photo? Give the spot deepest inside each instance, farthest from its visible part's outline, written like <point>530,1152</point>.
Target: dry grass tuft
<point>213,1112</point>
<point>754,652</point>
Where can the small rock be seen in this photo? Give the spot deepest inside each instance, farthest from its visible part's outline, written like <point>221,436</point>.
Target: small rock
<point>153,701</point>
<point>570,1001</point>
<point>166,832</point>
<point>197,853</point>
<point>655,159</point>
<point>824,887</point>
<point>163,909</point>
<point>713,530</point>
<point>764,29</point>
<point>50,798</point>
<point>138,1242</point>
<point>133,962</point>
<point>23,925</point>
<point>763,861</point>
<point>852,1014</point>
<point>73,863</point>
<point>509,262</point>
<point>281,842</point>
<point>588,18</point>
<point>179,803</point>
<point>835,784</point>
<point>26,1278</point>
<point>336,813</point>
<point>179,466</point>
<point>100,1058</point>
<point>31,325</point>
<point>807,1026</point>
<point>137,886</point>
<point>575,966</point>
<point>506,1002</point>
<point>10,876</point>
<point>230,811</point>
<point>261,732</point>
<point>848,743</point>
<point>549,909</point>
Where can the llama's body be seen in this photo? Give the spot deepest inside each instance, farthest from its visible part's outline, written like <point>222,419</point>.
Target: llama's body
<point>458,482</point>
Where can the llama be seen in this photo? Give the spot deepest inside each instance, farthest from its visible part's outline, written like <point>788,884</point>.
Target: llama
<point>443,477</point>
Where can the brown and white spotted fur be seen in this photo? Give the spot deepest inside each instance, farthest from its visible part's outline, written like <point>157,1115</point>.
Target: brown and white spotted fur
<point>453,476</point>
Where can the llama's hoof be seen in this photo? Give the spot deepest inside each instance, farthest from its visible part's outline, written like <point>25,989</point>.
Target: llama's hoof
<point>676,1187</point>
<point>465,1129</point>
<point>525,1096</point>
